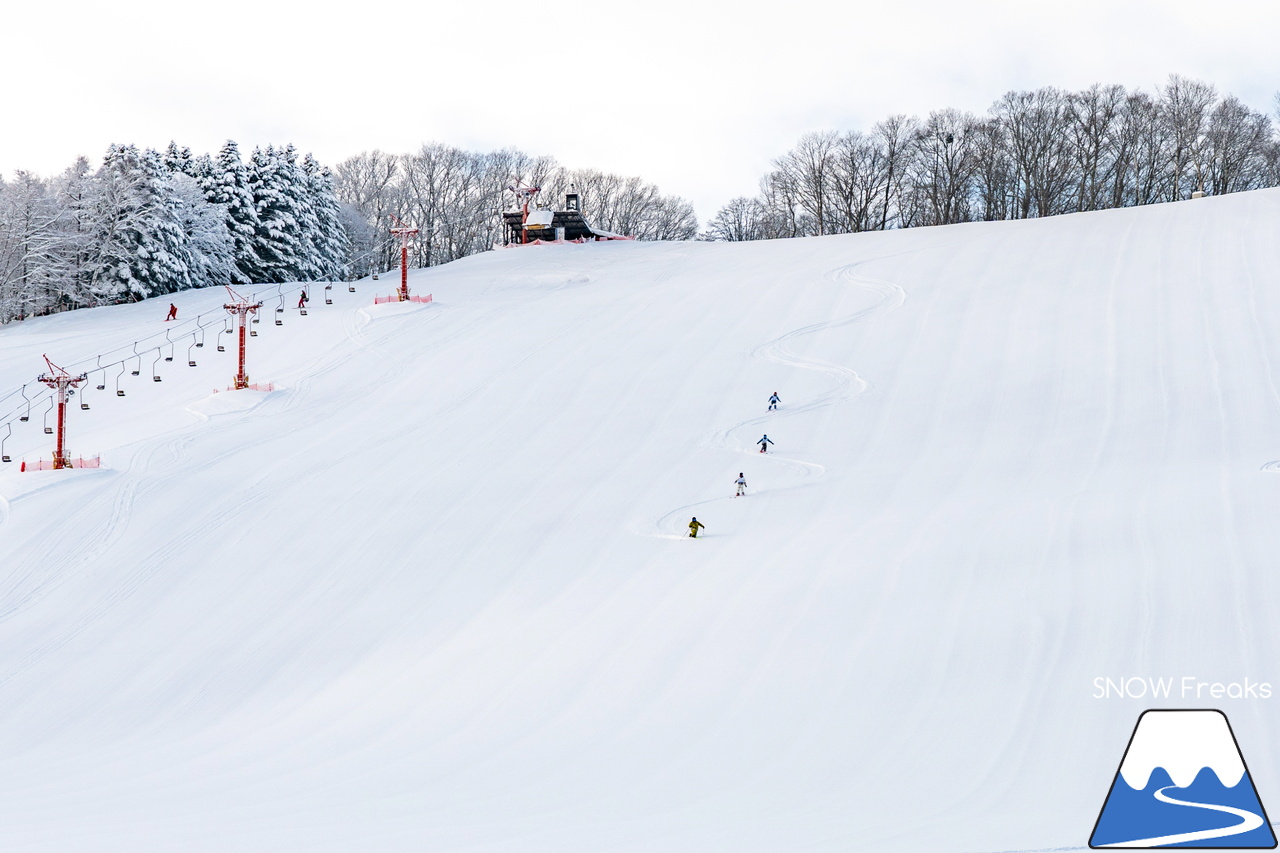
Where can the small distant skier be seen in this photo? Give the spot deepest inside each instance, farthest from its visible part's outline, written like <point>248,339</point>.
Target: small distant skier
<point>764,443</point>
<point>302,300</point>
<point>694,527</point>
<point>742,485</point>
<point>173,312</point>
<point>774,401</point>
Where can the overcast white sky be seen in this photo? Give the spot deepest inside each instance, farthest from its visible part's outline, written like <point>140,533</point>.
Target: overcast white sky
<point>696,96</point>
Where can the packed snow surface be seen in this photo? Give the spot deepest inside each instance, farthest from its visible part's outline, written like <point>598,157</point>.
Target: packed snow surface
<point>435,592</point>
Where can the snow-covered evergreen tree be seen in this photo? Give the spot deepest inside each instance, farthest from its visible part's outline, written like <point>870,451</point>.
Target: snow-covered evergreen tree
<point>210,249</point>
<point>179,159</point>
<point>331,243</point>
<point>138,247</point>
<point>296,186</point>
<point>76,191</point>
<point>276,241</point>
<point>227,185</point>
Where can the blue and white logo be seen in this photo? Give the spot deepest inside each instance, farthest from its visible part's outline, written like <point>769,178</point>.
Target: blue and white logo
<point>1183,783</point>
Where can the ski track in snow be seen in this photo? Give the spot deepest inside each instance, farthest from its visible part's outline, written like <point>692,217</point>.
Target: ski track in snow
<point>848,385</point>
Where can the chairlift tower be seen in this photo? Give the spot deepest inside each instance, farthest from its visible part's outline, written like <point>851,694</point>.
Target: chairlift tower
<point>241,309</point>
<point>404,232</point>
<point>524,195</point>
<point>64,383</point>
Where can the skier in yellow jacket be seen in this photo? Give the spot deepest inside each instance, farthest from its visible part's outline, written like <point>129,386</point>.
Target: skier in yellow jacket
<point>695,526</point>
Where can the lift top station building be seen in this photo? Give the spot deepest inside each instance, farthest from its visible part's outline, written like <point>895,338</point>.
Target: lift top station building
<point>531,223</point>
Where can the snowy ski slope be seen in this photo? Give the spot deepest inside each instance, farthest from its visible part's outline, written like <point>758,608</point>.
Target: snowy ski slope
<point>435,592</point>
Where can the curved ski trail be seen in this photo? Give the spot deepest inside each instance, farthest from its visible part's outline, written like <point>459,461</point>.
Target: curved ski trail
<point>848,385</point>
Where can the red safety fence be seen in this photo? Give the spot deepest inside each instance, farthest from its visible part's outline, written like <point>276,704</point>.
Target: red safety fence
<point>541,242</point>
<point>395,297</point>
<point>256,386</point>
<point>47,464</point>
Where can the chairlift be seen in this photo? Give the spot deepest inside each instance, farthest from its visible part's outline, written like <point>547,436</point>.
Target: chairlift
<point>155,372</point>
<point>351,288</point>
<point>84,402</point>
<point>103,385</point>
<point>119,390</point>
<point>5,457</point>
<point>191,359</point>
<point>137,370</point>
<point>168,357</point>
<point>27,416</point>
<point>328,294</point>
<point>199,343</point>
<point>48,430</point>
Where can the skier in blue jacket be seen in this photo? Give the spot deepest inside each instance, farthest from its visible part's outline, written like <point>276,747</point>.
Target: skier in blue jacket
<point>774,401</point>
<point>764,443</point>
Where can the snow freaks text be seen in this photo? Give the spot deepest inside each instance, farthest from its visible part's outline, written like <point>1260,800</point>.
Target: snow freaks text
<point>1186,687</point>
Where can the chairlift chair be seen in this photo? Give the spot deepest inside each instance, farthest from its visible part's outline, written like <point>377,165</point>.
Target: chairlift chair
<point>119,390</point>
<point>155,372</point>
<point>27,415</point>
<point>4,457</point>
<point>328,294</point>
<point>48,430</point>
<point>103,385</point>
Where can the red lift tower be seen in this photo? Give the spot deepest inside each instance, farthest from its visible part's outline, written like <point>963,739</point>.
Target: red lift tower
<point>240,308</point>
<point>526,194</point>
<point>404,232</point>
<point>62,382</point>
